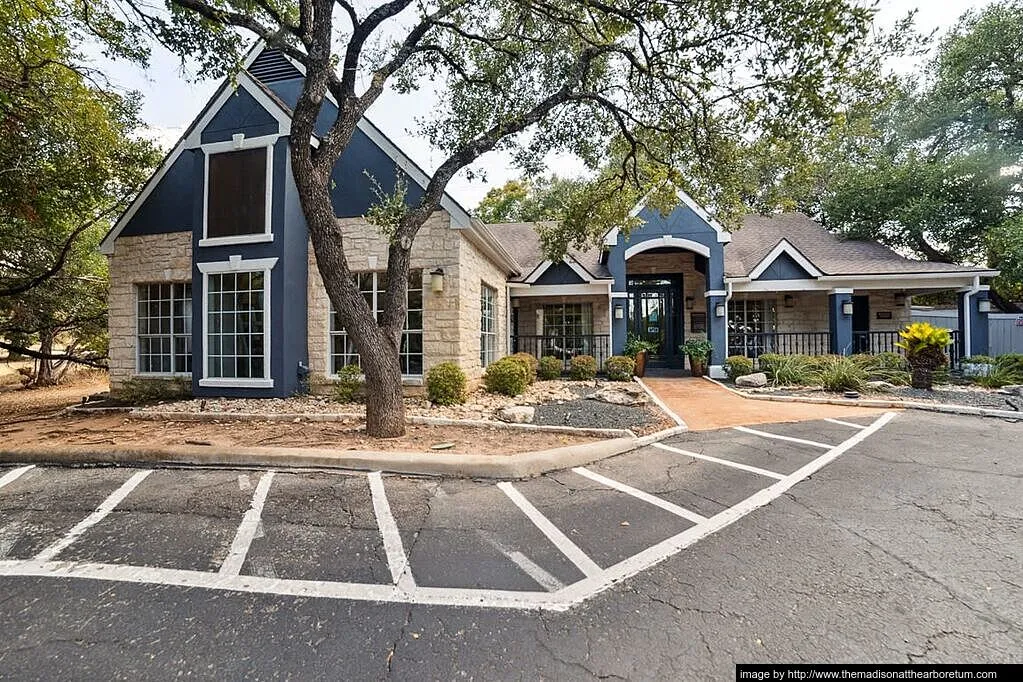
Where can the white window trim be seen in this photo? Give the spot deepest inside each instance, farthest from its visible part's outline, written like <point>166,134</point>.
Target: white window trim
<point>138,346</point>
<point>493,333</point>
<point>406,379</point>
<point>784,246</point>
<point>235,145</point>
<point>236,264</point>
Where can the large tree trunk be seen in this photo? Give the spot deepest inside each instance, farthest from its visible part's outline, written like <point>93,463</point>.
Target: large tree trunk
<point>44,374</point>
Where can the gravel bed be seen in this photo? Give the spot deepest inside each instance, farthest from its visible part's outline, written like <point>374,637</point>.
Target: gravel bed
<point>591,414</point>
<point>945,395</point>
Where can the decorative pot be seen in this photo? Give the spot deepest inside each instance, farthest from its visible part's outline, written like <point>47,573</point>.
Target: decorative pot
<point>640,368</point>
<point>697,366</point>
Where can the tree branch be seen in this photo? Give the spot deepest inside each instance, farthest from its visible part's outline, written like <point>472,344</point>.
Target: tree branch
<point>28,352</point>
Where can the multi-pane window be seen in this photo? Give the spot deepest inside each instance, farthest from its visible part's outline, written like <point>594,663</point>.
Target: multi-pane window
<point>568,319</point>
<point>164,317</point>
<point>373,286</point>
<point>235,325</point>
<point>236,196</point>
<point>488,325</point>
<point>750,323</point>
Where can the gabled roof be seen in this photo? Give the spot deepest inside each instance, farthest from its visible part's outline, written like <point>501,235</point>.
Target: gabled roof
<point>523,242</point>
<point>762,238</point>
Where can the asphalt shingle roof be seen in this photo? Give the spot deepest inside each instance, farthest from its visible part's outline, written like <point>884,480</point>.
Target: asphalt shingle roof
<point>523,243</point>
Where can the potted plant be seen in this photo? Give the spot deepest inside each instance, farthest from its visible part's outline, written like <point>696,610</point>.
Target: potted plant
<point>638,349</point>
<point>925,347</point>
<point>699,351</point>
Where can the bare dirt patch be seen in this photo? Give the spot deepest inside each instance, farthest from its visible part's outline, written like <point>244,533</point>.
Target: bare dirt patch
<point>18,403</point>
<point>116,430</point>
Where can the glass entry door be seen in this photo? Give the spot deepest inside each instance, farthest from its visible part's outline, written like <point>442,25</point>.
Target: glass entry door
<point>655,315</point>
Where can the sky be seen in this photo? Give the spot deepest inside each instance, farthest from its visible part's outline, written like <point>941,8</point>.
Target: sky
<point>172,98</point>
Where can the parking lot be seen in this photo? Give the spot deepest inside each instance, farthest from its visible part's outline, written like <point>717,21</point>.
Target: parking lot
<point>548,543</point>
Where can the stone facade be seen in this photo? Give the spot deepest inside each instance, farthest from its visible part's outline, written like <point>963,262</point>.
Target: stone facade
<point>143,259</point>
<point>451,319</point>
<point>528,306</point>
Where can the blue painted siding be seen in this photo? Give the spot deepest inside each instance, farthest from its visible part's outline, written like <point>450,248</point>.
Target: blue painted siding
<point>240,114</point>
<point>839,324</point>
<point>785,267</point>
<point>560,273</point>
<point>168,208</point>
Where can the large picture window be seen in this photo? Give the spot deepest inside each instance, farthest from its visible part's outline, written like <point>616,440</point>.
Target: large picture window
<point>488,325</point>
<point>164,319</point>
<point>237,188</point>
<point>750,323</point>
<point>568,319</point>
<point>373,286</point>
<point>236,325</point>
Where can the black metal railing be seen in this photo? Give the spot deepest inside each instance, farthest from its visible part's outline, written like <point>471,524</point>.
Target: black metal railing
<point>875,342</point>
<point>565,347</point>
<point>755,344</point>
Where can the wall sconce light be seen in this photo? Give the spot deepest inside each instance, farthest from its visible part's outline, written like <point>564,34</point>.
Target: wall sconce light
<point>900,299</point>
<point>619,312</point>
<point>437,281</point>
<point>790,301</point>
<point>847,308</point>
<point>984,305</point>
<point>689,302</point>
<point>719,310</point>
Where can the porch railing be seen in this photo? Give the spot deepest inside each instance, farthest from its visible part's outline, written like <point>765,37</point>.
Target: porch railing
<point>565,347</point>
<point>755,344</point>
<point>875,342</point>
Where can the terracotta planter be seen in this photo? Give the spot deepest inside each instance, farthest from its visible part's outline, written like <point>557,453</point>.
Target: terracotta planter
<point>697,366</point>
<point>640,369</point>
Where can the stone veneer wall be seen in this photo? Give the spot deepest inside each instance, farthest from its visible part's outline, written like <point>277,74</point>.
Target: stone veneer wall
<point>694,284</point>
<point>528,305</point>
<point>451,320</point>
<point>141,259</point>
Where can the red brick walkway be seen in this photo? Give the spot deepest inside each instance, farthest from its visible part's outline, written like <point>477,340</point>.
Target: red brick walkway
<point>704,405</point>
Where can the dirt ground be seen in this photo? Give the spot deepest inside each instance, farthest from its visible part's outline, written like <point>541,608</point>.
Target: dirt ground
<point>17,403</point>
<point>117,430</point>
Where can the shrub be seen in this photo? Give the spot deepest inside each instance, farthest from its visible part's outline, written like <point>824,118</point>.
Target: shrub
<point>583,367</point>
<point>445,384</point>
<point>738,366</point>
<point>549,368</point>
<point>768,361</point>
<point>792,370</point>
<point>1010,366</point>
<point>528,362</point>
<point>619,368</point>
<point>979,360</point>
<point>138,391</point>
<point>348,384</point>
<point>634,345</point>
<point>506,376</point>
<point>890,367</point>
<point>839,373</point>
<point>925,347</point>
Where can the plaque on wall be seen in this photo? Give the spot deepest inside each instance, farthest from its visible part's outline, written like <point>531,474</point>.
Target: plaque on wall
<point>884,314</point>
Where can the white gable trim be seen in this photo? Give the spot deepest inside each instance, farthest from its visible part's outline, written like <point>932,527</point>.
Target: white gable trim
<point>724,236</point>
<point>785,247</point>
<point>192,139</point>
<point>567,260</point>
<point>669,241</point>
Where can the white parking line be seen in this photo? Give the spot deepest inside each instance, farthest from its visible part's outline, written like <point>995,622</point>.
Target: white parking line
<point>397,560</point>
<point>14,474</point>
<point>108,505</point>
<point>553,533</point>
<point>790,439</point>
<point>528,566</point>
<point>717,460</point>
<point>646,497</point>
<point>842,423</point>
<point>247,528</point>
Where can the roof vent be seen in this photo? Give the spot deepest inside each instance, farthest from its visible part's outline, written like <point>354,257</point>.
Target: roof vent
<point>272,66</point>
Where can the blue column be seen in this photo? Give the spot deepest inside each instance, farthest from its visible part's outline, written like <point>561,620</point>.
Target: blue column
<point>716,330</point>
<point>977,343</point>
<point>840,324</point>
<point>619,327</point>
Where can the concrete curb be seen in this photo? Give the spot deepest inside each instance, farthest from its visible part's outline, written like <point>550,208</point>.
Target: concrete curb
<point>661,404</point>
<point>524,465</point>
<point>882,404</point>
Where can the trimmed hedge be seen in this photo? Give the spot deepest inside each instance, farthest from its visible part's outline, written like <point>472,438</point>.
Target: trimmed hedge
<point>738,366</point>
<point>445,384</point>
<point>619,368</point>
<point>528,362</point>
<point>550,368</point>
<point>583,368</point>
<point>507,376</point>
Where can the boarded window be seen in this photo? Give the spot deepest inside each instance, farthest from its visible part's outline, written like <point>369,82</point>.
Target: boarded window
<point>236,203</point>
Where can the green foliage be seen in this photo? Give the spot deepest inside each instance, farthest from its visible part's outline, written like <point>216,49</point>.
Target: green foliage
<point>528,362</point>
<point>924,344</point>
<point>890,367</point>
<point>506,376</point>
<point>635,345</point>
<point>792,370</point>
<point>139,391</point>
<point>529,200</point>
<point>1011,365</point>
<point>446,384</point>
<point>738,366</point>
<point>348,384</point>
<point>979,360</point>
<point>841,373</point>
<point>697,348</point>
<point>619,368</point>
<point>583,368</point>
<point>550,368</point>
<point>766,362</point>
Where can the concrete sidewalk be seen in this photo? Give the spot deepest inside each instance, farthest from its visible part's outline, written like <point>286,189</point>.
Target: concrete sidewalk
<point>704,405</point>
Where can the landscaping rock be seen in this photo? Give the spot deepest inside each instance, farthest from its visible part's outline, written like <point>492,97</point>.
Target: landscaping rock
<point>1014,389</point>
<point>755,380</point>
<point>516,414</point>
<point>882,386</point>
<point>623,394</point>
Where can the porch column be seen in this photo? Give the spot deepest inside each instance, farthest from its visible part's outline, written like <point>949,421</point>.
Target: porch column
<point>619,321</point>
<point>974,305</point>
<point>839,323</point>
<point>716,330</point>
